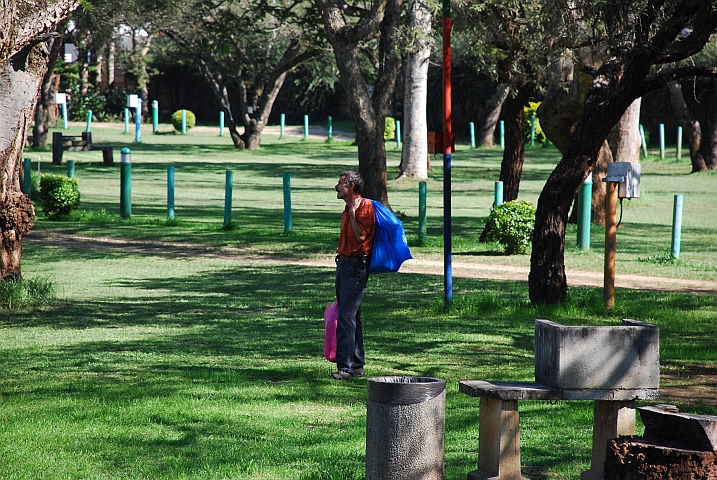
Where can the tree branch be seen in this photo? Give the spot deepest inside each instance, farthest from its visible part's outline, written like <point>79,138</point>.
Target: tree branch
<point>662,79</point>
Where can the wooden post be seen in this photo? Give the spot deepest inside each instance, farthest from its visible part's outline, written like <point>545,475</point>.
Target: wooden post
<point>610,243</point>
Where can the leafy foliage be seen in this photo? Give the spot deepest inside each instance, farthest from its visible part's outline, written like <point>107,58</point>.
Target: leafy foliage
<point>191,120</point>
<point>59,195</point>
<point>21,294</point>
<point>531,115</point>
<point>513,224</point>
<point>389,131</point>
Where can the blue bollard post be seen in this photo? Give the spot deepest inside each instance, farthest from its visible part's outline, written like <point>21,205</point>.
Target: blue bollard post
<point>677,226</point>
<point>585,203</point>
<point>532,130</point>
<point>662,141</point>
<point>502,134</point>
<point>70,169</point>
<point>126,120</point>
<point>330,129</point>
<point>138,121</point>
<point>184,122</point>
<point>306,127</point>
<point>473,134</point>
<point>398,134</point>
<point>155,116</point>
<point>88,128</point>
<point>126,183</point>
<point>64,116</point>
<point>228,199</point>
<point>287,202</point>
<point>221,123</point>
<point>679,143</point>
<point>26,176</point>
<point>644,141</point>
<point>498,194</point>
<point>170,193</point>
<point>422,216</point>
<point>282,122</point>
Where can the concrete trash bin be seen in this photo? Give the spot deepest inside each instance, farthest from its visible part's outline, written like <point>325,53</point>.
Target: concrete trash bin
<point>405,425</point>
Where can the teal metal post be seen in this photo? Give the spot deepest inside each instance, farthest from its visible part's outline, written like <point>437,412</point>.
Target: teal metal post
<point>585,203</point>
<point>138,121</point>
<point>398,134</point>
<point>473,134</point>
<point>498,194</point>
<point>170,193</point>
<point>70,169</point>
<point>679,143</point>
<point>502,134</point>
<point>330,129</point>
<point>126,120</point>
<point>422,217</point>
<point>221,123</point>
<point>662,141</point>
<point>306,127</point>
<point>282,122</point>
<point>126,183</point>
<point>64,115</point>
<point>26,176</point>
<point>184,122</point>
<point>644,141</point>
<point>88,128</point>
<point>228,198</point>
<point>532,130</point>
<point>287,202</point>
<point>677,226</point>
<point>155,116</point>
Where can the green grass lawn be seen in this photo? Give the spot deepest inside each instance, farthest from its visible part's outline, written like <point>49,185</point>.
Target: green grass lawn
<point>166,366</point>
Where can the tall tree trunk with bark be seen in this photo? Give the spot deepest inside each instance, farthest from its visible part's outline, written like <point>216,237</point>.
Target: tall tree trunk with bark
<point>368,111</point>
<point>690,125</point>
<point>23,62</point>
<point>414,158</point>
<point>511,168</point>
<point>624,139</point>
<point>45,110</point>
<point>485,131</point>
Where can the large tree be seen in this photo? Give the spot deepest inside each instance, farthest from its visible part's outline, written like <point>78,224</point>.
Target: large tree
<point>244,50</point>
<point>639,35</point>
<point>353,32</point>
<point>26,27</point>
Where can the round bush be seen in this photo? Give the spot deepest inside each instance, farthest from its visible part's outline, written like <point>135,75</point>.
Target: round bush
<point>59,195</point>
<point>389,130</point>
<point>512,225</point>
<point>177,120</point>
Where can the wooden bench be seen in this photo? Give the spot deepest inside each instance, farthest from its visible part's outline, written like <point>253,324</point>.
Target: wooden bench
<point>75,143</point>
<point>499,429</point>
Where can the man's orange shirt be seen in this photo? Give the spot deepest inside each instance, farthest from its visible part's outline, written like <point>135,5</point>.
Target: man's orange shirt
<point>348,245</point>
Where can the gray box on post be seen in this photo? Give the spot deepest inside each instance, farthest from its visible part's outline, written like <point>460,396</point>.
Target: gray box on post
<point>619,361</point>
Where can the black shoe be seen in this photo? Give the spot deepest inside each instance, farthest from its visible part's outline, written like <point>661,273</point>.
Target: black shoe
<point>358,372</point>
<point>342,375</point>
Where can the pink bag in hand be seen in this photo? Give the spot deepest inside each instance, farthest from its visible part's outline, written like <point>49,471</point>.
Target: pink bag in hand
<point>331,318</point>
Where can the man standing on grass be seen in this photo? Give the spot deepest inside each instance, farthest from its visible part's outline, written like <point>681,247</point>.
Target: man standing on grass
<point>357,232</point>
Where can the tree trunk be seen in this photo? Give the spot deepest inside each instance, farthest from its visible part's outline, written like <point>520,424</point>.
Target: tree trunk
<point>691,127</point>
<point>511,168</point>
<point>111,64</point>
<point>485,133</point>
<point>608,98</point>
<point>414,158</point>
<point>45,110</point>
<point>624,139</point>
<point>368,112</point>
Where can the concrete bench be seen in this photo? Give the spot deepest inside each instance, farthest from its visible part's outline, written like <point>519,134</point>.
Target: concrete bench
<point>572,363</point>
<point>76,143</point>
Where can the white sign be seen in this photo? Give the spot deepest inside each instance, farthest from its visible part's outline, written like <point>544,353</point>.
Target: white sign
<point>61,98</point>
<point>132,101</point>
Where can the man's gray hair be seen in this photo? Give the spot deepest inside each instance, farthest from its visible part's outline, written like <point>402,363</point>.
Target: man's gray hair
<point>353,178</point>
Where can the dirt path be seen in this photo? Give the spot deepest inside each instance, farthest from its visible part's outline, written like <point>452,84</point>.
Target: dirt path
<point>463,268</point>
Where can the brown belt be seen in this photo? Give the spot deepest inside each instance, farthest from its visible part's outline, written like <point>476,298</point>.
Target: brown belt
<point>347,258</point>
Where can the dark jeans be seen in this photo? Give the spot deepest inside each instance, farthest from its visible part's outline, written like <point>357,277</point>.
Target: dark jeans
<point>351,281</point>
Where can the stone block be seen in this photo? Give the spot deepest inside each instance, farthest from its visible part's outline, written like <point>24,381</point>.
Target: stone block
<point>603,358</point>
<point>680,430</point>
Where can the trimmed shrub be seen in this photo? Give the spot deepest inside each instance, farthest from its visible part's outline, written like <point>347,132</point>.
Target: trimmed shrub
<point>177,120</point>
<point>389,130</point>
<point>59,195</point>
<point>512,225</point>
